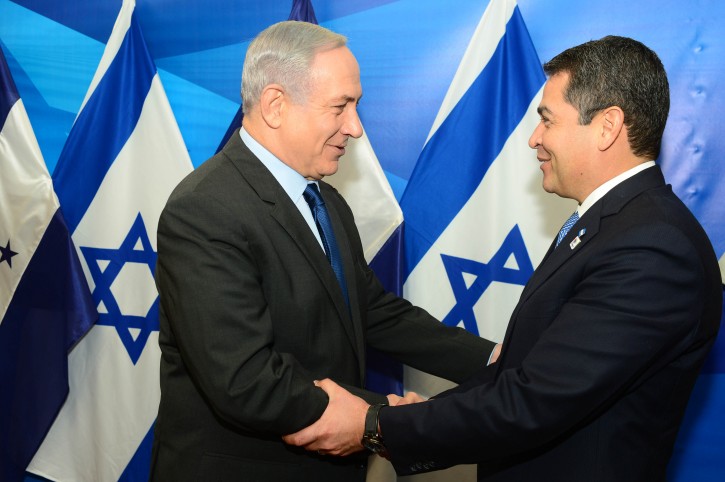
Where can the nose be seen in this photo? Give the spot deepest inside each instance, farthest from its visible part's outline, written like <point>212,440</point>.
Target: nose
<point>535,139</point>
<point>352,126</point>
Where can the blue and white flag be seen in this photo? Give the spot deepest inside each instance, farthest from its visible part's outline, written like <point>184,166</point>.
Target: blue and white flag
<point>477,219</point>
<point>45,304</point>
<point>123,157</point>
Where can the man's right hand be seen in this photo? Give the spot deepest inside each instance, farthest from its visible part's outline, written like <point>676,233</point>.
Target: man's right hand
<point>410,397</point>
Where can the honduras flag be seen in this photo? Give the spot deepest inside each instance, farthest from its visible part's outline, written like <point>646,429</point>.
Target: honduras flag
<point>122,158</point>
<point>45,304</point>
<point>477,219</point>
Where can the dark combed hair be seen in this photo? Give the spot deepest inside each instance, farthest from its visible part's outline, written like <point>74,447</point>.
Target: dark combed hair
<point>622,72</point>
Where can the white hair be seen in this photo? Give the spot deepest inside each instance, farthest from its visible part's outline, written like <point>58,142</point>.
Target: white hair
<point>282,54</point>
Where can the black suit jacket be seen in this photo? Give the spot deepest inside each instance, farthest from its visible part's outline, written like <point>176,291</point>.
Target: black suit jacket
<point>599,357</point>
<point>251,314</point>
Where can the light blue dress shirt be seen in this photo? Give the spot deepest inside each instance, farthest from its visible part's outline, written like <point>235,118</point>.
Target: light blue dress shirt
<point>292,182</point>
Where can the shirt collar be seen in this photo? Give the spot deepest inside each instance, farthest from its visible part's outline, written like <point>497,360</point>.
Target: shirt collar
<point>599,192</point>
<point>292,182</point>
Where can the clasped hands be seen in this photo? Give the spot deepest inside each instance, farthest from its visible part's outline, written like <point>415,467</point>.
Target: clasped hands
<point>339,430</point>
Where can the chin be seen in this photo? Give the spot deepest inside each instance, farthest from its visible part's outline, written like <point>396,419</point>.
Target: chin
<point>330,170</point>
<point>548,188</point>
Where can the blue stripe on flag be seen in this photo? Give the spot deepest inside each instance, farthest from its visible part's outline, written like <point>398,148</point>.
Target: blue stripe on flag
<point>457,156</point>
<point>302,11</point>
<point>8,94</point>
<point>139,467</point>
<point>103,126</point>
<point>385,375</point>
<point>49,311</point>
<point>386,263</point>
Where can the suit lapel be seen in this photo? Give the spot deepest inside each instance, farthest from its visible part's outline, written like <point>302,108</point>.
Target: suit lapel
<point>572,244</point>
<point>611,204</point>
<point>287,215</point>
<point>348,263</point>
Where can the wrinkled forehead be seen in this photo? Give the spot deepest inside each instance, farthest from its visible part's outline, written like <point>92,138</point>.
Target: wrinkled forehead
<point>335,74</point>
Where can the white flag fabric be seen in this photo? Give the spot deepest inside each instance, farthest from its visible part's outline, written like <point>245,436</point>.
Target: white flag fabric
<point>123,157</point>
<point>363,184</point>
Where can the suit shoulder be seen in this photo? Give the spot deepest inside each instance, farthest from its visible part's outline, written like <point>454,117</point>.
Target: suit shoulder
<point>662,205</point>
<point>210,176</point>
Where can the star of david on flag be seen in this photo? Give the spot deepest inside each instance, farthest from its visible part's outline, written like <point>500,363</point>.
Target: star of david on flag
<point>124,293</point>
<point>511,264</point>
<point>114,176</point>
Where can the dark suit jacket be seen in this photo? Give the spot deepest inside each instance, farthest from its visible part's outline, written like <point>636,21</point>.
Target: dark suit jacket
<point>599,357</point>
<point>251,314</point>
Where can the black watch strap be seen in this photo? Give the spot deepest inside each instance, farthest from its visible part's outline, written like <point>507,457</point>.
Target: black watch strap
<point>372,440</point>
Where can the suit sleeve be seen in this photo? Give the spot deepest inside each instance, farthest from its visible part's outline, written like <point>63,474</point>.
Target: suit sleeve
<point>414,337</point>
<point>635,308</point>
<point>211,295</point>
<point>410,334</point>
<point>405,332</point>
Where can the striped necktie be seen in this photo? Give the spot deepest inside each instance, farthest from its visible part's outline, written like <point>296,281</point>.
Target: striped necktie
<point>324,226</point>
<point>566,227</point>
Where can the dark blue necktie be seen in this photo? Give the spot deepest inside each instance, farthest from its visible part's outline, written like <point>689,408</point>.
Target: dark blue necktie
<point>566,227</point>
<point>324,226</point>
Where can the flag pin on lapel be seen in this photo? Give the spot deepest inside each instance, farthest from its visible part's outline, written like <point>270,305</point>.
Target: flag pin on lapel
<point>575,242</point>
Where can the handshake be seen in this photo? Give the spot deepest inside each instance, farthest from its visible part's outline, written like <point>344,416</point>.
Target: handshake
<point>340,429</point>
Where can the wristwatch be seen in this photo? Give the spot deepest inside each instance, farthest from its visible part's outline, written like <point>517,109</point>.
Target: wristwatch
<point>372,440</point>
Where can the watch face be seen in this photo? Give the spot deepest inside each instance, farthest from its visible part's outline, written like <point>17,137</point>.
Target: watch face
<point>373,444</point>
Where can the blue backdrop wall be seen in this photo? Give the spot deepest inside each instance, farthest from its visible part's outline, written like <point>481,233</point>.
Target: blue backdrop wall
<point>408,51</point>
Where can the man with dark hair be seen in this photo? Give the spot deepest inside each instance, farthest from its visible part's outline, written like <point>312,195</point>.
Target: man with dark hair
<point>604,347</point>
<point>643,98</point>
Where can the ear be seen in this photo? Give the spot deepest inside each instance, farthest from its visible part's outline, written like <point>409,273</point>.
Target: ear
<point>612,124</point>
<point>272,105</point>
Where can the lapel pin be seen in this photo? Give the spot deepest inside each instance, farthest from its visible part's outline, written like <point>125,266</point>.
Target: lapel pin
<point>575,242</point>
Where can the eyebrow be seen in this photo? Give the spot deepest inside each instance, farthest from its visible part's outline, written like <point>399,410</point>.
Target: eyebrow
<point>543,109</point>
<point>346,99</point>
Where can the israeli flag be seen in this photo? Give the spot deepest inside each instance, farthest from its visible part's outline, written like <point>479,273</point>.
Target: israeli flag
<point>477,218</point>
<point>123,157</point>
<point>45,304</point>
